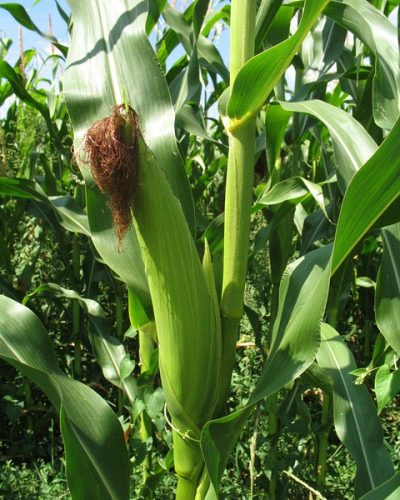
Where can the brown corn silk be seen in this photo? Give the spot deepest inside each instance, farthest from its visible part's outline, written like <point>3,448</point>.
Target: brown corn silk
<point>112,146</point>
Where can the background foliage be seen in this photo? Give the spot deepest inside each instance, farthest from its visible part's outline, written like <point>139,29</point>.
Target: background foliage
<point>325,206</point>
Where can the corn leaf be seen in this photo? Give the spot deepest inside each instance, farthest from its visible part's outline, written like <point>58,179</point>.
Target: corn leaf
<point>294,190</point>
<point>258,76</point>
<point>389,490</point>
<point>155,9</point>
<point>356,421</point>
<point>69,214</point>
<point>380,35</point>
<point>17,84</point>
<point>387,297</point>
<point>208,55</point>
<point>22,188</point>
<point>295,341</point>
<point>92,434</point>
<point>346,134</point>
<point>108,350</point>
<point>371,192</point>
<point>106,40</point>
<point>20,14</point>
<point>321,50</point>
<point>386,386</point>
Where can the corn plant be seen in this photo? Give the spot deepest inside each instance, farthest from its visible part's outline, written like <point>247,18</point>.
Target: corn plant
<point>330,150</point>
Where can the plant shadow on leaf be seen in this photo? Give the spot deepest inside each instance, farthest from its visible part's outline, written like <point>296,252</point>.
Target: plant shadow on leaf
<point>103,45</point>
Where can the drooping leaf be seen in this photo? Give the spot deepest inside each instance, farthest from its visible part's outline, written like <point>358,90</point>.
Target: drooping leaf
<point>17,84</point>
<point>92,434</point>
<point>22,188</point>
<point>22,17</point>
<point>371,191</point>
<point>257,77</point>
<point>108,350</point>
<point>356,421</point>
<point>294,190</point>
<point>387,297</point>
<point>295,340</point>
<point>70,215</point>
<point>353,146</point>
<point>379,34</point>
<point>15,80</point>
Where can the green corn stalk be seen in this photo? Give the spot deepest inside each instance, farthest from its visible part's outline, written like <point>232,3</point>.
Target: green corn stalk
<point>185,316</point>
<point>239,192</point>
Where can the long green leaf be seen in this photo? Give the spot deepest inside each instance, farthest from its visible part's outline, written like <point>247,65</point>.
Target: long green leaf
<point>258,76</point>
<point>380,35</point>
<point>354,147</point>
<point>295,341</point>
<point>17,84</point>
<point>91,431</point>
<point>386,386</point>
<point>372,190</point>
<point>389,490</point>
<point>387,297</point>
<point>108,350</point>
<point>352,144</point>
<point>356,421</point>
<point>294,190</point>
<point>22,17</point>
<point>15,80</point>
<point>69,214</point>
<point>209,57</point>
<point>106,40</point>
<point>22,188</point>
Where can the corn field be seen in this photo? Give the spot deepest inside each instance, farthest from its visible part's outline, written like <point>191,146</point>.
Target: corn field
<point>200,250</point>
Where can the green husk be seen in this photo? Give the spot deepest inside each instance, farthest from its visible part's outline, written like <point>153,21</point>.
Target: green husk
<point>185,314</point>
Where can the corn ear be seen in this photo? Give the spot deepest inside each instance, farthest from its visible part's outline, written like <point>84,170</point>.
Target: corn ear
<point>212,290</point>
<point>184,309</point>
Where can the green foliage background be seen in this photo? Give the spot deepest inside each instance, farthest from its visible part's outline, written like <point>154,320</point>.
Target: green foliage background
<point>317,183</point>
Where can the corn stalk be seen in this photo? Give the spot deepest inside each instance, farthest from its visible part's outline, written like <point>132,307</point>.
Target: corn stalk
<point>239,193</point>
